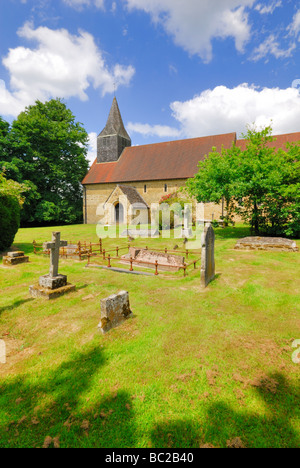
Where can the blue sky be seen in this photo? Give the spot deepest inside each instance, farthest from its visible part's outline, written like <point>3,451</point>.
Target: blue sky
<point>180,68</point>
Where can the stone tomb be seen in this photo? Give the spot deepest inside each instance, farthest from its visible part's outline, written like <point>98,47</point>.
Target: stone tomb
<point>207,256</point>
<point>266,243</point>
<point>52,285</point>
<point>115,309</point>
<point>147,258</point>
<point>15,258</point>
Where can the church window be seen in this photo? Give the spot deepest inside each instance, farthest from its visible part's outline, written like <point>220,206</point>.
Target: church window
<point>166,188</point>
<point>145,188</point>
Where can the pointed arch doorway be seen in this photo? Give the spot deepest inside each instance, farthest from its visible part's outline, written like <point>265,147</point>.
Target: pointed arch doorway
<point>119,213</point>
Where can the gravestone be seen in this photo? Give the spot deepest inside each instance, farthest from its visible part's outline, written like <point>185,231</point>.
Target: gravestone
<point>15,258</point>
<point>207,256</point>
<point>266,243</point>
<point>52,285</point>
<point>115,309</point>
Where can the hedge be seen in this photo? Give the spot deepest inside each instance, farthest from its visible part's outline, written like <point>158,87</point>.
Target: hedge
<point>9,220</point>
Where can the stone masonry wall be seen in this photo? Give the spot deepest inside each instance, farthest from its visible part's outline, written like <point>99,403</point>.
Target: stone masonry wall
<point>97,195</point>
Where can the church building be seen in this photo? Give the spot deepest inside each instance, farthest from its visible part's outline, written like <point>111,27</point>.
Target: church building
<point>125,178</point>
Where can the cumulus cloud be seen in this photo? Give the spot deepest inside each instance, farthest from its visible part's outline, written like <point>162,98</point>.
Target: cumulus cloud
<point>225,110</point>
<point>61,65</point>
<point>194,24</point>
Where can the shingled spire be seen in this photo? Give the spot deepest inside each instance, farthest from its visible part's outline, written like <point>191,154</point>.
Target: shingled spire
<point>113,138</point>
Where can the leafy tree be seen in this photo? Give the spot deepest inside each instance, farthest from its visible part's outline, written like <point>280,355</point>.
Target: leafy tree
<point>48,149</point>
<point>11,201</point>
<point>4,140</point>
<point>213,182</point>
<point>259,183</point>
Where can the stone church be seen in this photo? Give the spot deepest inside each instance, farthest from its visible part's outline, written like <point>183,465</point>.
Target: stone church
<point>125,179</point>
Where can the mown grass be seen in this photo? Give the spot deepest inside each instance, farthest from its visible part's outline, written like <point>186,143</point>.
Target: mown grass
<point>191,367</point>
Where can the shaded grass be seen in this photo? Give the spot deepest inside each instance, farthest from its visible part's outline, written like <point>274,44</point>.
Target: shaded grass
<point>191,367</point>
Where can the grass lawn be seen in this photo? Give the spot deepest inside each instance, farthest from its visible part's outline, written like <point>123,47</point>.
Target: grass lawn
<point>192,367</point>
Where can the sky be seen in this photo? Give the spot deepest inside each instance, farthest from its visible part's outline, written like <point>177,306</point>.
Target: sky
<point>179,68</point>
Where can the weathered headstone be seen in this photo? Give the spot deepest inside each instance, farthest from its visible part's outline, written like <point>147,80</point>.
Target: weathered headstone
<point>52,285</point>
<point>266,243</point>
<point>115,309</point>
<point>15,258</point>
<point>207,256</point>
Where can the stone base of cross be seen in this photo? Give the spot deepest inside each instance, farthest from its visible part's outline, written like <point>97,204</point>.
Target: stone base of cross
<point>54,280</point>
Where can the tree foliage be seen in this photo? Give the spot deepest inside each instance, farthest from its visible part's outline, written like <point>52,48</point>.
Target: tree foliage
<point>47,148</point>
<point>260,184</point>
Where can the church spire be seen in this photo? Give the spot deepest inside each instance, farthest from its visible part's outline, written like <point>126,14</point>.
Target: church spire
<point>113,138</point>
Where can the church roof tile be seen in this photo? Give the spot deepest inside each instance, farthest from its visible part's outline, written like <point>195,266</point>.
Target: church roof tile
<point>160,161</point>
<point>280,141</point>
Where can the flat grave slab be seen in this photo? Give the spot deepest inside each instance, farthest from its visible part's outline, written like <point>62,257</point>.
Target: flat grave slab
<point>147,258</point>
<point>266,243</point>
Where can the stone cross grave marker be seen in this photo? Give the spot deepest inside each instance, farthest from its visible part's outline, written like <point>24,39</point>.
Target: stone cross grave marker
<point>54,247</point>
<point>54,280</point>
<point>207,256</point>
<point>52,285</point>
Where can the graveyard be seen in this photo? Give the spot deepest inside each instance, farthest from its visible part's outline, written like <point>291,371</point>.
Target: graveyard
<point>191,364</point>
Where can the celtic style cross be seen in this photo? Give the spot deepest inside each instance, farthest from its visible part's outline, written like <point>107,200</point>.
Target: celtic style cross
<point>54,247</point>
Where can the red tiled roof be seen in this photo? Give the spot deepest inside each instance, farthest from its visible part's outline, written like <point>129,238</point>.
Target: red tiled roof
<point>279,142</point>
<point>160,161</point>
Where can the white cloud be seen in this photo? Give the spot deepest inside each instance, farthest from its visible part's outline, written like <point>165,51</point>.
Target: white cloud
<point>224,110</point>
<point>272,46</point>
<point>92,148</point>
<point>268,9</point>
<point>160,131</point>
<point>194,23</point>
<point>79,4</point>
<point>294,28</point>
<point>62,65</point>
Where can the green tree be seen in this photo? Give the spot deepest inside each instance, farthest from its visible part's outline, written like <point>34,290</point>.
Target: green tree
<point>213,182</point>
<point>47,148</point>
<point>259,183</point>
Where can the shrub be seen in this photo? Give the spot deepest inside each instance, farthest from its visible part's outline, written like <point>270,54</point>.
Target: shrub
<point>11,201</point>
<point>9,220</point>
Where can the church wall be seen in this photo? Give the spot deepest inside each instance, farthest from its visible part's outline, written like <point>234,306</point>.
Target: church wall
<point>97,195</point>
